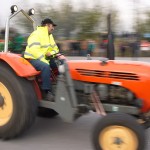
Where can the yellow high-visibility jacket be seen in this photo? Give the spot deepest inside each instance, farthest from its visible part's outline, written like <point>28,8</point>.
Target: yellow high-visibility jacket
<point>39,43</point>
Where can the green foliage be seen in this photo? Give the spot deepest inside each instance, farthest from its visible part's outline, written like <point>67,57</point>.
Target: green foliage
<point>88,22</point>
<point>143,24</point>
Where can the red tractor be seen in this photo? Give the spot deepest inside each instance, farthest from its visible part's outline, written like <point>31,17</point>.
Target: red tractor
<point>117,90</point>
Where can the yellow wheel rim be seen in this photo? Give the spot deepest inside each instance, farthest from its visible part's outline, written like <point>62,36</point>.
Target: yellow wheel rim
<point>118,138</point>
<point>6,105</point>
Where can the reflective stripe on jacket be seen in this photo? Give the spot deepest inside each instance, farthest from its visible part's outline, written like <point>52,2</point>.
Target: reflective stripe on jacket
<point>39,43</point>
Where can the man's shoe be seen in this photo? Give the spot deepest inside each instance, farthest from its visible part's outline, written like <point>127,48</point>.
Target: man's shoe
<point>49,96</point>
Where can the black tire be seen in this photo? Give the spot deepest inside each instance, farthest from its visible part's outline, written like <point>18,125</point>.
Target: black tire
<point>46,112</point>
<point>20,99</point>
<point>119,128</point>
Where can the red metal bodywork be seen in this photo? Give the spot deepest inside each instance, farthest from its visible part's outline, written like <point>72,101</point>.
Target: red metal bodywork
<point>21,66</point>
<point>134,76</point>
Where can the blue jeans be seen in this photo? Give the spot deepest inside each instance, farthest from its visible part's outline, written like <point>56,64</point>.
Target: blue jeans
<point>45,72</point>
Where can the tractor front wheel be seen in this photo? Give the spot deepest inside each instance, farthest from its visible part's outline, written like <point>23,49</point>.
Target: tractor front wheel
<point>18,103</point>
<point>118,131</point>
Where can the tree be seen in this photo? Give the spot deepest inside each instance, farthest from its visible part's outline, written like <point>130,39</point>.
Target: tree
<point>81,23</point>
<point>144,24</point>
<point>88,22</point>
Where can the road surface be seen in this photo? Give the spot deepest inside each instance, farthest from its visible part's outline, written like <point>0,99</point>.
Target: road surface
<point>54,134</point>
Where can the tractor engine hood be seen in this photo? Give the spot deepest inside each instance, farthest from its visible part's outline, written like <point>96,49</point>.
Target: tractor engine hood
<point>104,71</point>
<point>132,75</point>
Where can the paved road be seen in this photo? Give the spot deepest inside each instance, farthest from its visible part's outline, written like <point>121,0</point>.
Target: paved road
<point>54,134</point>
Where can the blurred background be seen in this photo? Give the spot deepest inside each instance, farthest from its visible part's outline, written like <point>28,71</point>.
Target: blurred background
<point>83,26</point>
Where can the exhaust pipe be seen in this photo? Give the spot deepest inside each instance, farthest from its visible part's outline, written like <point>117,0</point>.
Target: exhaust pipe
<point>110,46</point>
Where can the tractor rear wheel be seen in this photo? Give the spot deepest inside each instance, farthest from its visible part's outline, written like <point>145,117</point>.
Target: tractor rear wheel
<point>18,103</point>
<point>118,131</point>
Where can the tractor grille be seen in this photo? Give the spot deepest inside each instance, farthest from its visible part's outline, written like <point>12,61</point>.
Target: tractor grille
<point>95,73</point>
<point>108,74</point>
<point>123,75</point>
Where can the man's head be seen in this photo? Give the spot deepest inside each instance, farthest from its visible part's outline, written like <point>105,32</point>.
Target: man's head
<point>49,23</point>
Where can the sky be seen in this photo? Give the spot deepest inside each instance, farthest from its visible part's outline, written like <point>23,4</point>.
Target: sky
<point>126,8</point>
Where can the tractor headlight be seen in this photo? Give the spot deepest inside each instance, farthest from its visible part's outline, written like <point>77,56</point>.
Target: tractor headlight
<point>14,8</point>
<point>61,68</point>
<point>31,12</point>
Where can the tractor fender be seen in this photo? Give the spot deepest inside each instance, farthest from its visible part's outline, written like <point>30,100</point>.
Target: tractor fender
<point>20,65</point>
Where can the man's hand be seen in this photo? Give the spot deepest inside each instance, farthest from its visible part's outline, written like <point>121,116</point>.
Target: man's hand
<point>48,54</point>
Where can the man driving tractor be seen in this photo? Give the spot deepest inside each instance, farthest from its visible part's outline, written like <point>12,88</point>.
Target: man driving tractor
<point>40,46</point>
